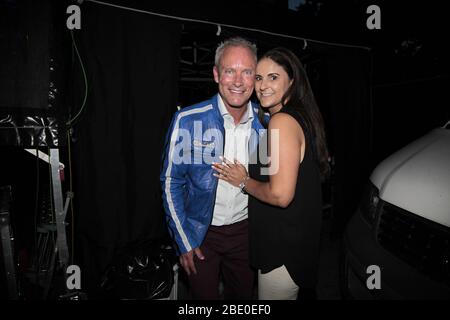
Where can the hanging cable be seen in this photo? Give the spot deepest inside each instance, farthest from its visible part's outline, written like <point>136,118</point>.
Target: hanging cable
<point>227,25</point>
<point>71,121</point>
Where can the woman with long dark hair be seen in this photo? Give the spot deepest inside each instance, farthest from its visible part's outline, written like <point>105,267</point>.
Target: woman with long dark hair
<point>286,203</point>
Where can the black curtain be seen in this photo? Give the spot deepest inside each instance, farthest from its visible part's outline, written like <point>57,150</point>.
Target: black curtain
<point>349,128</point>
<point>131,61</point>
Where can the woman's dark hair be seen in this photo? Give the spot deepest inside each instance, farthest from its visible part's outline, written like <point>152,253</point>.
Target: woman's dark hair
<point>300,98</point>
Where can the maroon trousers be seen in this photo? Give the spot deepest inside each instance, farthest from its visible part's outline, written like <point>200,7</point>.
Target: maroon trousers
<point>226,254</point>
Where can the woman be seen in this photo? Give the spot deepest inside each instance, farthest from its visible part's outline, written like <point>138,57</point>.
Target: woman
<point>285,206</point>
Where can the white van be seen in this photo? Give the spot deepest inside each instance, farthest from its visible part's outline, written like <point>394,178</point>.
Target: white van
<point>397,245</point>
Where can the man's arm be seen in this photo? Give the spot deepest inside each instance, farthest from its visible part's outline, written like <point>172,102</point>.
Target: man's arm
<point>173,181</point>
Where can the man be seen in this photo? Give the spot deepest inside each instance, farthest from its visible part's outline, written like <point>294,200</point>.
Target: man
<point>206,217</point>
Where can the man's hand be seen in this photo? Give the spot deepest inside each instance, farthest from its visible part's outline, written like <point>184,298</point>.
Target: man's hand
<point>187,260</point>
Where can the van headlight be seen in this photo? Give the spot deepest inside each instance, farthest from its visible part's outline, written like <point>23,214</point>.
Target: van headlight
<point>369,203</point>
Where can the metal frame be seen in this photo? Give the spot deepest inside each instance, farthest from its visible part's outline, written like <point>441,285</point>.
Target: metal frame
<point>61,248</point>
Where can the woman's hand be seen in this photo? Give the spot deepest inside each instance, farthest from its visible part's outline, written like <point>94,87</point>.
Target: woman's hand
<point>233,173</point>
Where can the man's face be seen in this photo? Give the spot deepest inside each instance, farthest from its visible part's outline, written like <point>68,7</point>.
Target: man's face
<point>236,76</point>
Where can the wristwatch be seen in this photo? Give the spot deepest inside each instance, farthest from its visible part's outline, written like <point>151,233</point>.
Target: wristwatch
<point>242,185</point>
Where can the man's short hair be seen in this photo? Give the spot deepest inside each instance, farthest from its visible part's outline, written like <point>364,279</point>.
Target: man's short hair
<point>234,42</point>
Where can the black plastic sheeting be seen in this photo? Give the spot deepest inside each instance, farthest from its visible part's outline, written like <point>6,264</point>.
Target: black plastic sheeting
<point>18,127</point>
<point>142,271</point>
<point>31,131</point>
<point>35,58</point>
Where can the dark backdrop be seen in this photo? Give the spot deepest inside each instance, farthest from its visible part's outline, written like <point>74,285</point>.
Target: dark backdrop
<point>131,62</point>
<point>349,119</point>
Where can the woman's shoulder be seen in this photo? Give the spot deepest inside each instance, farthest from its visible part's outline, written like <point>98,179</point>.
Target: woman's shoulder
<point>284,120</point>
<point>288,127</point>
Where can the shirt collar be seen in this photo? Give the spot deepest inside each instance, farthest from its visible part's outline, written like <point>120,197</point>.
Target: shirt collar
<point>247,116</point>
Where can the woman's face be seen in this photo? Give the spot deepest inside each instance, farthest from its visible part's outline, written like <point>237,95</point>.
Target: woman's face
<point>271,83</point>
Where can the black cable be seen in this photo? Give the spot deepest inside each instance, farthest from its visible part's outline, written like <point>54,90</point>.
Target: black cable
<point>71,122</point>
<point>220,25</point>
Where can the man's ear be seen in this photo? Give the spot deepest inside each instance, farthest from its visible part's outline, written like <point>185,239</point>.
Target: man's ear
<point>216,74</point>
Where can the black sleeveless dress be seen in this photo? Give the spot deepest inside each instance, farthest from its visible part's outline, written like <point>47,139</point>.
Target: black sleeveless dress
<point>289,236</point>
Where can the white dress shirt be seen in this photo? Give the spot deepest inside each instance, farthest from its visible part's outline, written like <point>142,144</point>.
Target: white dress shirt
<point>231,204</point>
